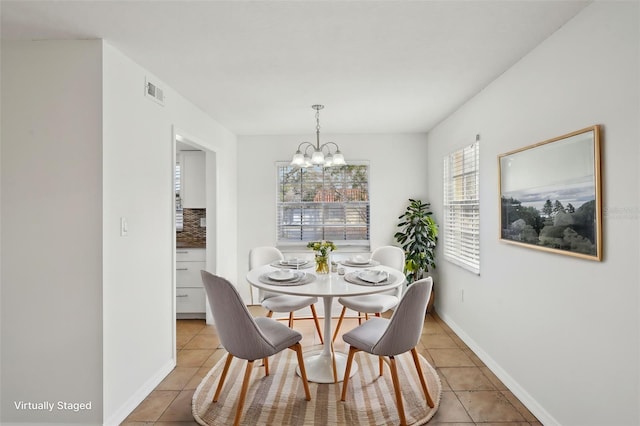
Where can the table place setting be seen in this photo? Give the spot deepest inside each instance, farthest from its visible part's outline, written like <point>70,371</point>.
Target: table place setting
<point>293,263</point>
<point>359,261</point>
<point>286,277</point>
<point>368,277</point>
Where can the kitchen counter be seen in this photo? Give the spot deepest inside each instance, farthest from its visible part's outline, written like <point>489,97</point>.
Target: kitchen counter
<point>191,244</point>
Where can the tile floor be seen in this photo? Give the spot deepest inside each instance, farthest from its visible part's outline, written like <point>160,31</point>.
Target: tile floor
<point>472,394</point>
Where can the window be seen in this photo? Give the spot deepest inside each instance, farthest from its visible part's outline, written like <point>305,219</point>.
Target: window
<point>317,203</point>
<point>462,208</point>
<point>178,187</point>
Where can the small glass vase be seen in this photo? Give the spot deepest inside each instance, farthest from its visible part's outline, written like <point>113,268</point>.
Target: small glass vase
<point>322,264</point>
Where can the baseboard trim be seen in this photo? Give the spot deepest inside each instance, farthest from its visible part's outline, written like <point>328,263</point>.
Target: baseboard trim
<point>532,405</point>
<point>121,413</point>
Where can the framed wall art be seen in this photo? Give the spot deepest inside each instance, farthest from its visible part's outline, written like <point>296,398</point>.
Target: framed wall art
<point>550,195</point>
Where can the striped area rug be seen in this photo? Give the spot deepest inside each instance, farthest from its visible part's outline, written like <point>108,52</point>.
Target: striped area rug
<point>278,399</point>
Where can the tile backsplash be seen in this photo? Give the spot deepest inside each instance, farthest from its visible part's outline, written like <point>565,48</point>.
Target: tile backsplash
<point>192,231</point>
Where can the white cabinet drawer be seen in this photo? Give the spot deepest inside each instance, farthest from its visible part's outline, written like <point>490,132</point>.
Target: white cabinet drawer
<point>188,274</point>
<point>190,300</point>
<point>190,255</point>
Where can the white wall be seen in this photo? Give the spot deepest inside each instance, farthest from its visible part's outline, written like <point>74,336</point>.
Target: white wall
<point>51,310</point>
<point>87,315</point>
<point>397,172</point>
<point>562,332</point>
<point>138,184</point>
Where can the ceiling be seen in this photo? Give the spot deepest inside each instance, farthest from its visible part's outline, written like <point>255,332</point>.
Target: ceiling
<point>256,67</point>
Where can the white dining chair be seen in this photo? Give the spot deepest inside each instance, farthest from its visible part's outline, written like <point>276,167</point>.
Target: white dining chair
<point>391,337</point>
<point>245,337</point>
<point>392,257</point>
<point>272,302</point>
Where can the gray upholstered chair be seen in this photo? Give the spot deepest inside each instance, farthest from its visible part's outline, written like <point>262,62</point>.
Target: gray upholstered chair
<point>247,338</point>
<point>390,337</point>
<point>392,257</point>
<point>272,302</point>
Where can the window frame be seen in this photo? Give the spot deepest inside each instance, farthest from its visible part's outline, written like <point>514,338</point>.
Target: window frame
<point>344,245</point>
<point>461,227</point>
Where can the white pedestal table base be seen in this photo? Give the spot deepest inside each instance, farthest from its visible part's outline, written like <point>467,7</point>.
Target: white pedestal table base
<point>319,364</point>
<point>319,367</point>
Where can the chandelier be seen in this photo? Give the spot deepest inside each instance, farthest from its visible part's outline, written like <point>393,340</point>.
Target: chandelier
<point>318,157</point>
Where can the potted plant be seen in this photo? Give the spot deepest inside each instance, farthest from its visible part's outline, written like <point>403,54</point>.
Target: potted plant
<point>418,237</point>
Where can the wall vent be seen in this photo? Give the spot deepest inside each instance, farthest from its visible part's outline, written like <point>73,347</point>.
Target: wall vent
<point>154,92</point>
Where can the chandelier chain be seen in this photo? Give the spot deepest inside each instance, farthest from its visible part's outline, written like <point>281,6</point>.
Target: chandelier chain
<point>318,128</point>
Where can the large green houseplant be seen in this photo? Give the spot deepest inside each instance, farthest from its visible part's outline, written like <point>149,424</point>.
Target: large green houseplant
<point>418,237</point>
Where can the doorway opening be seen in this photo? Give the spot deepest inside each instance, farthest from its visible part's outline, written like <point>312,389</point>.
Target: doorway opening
<point>194,245</point>
<point>191,229</point>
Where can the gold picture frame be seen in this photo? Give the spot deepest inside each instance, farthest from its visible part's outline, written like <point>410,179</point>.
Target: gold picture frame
<point>550,195</point>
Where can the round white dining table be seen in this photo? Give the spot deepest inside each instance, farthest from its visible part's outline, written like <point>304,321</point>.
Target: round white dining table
<point>320,364</point>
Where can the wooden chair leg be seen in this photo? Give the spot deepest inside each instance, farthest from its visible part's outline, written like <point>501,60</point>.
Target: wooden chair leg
<point>315,319</point>
<point>416,361</point>
<point>243,392</point>
<point>303,373</point>
<point>345,381</point>
<point>335,333</point>
<point>360,318</point>
<point>396,387</point>
<point>381,365</point>
<point>333,364</point>
<point>290,319</point>
<point>265,361</point>
<point>223,376</point>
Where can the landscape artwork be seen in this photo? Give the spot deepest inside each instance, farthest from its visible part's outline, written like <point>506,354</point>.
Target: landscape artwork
<point>550,195</point>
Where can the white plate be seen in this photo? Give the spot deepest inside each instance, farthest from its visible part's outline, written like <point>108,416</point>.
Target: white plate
<point>300,279</point>
<point>294,262</point>
<point>282,275</point>
<point>373,276</point>
<point>359,260</point>
<point>360,265</point>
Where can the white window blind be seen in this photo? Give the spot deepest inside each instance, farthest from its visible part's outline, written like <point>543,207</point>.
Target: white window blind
<point>178,187</point>
<point>318,203</point>
<point>178,178</point>
<point>461,234</point>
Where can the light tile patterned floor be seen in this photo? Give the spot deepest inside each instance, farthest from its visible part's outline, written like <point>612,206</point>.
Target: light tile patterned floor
<point>472,394</point>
